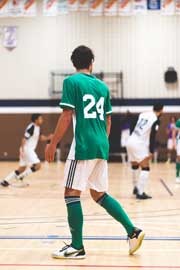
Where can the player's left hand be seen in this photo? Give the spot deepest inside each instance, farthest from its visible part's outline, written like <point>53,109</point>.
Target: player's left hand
<point>50,152</point>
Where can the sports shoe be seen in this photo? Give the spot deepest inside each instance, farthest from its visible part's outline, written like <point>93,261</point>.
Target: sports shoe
<point>68,252</point>
<point>143,196</point>
<point>4,183</point>
<point>178,180</point>
<point>135,240</point>
<point>135,191</point>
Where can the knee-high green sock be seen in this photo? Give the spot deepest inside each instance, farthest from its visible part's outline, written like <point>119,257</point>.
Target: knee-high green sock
<point>177,169</point>
<point>116,211</point>
<point>75,220</point>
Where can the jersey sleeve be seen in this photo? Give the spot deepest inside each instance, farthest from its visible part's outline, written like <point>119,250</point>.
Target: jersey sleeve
<point>29,132</point>
<point>68,96</point>
<point>108,108</point>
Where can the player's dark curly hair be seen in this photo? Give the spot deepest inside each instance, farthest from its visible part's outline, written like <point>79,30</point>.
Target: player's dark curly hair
<point>82,57</point>
<point>158,107</point>
<point>35,116</point>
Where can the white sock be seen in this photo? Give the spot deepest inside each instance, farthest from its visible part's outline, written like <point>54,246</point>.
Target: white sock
<point>135,173</point>
<point>143,178</point>
<point>10,176</point>
<point>27,172</point>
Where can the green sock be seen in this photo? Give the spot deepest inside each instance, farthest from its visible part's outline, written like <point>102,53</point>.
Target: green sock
<point>75,220</point>
<point>116,211</point>
<point>177,169</point>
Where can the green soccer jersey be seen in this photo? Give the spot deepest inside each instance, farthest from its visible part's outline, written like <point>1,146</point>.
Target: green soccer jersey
<point>90,99</point>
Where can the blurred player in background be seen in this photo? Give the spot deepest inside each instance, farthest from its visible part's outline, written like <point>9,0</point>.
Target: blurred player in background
<point>178,152</point>
<point>86,100</point>
<point>125,133</point>
<point>140,147</point>
<point>171,132</point>
<point>29,161</point>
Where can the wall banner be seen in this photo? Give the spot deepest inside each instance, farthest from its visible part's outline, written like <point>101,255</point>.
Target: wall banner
<point>50,8</point>
<point>3,8</point>
<point>168,7</point>
<point>73,5</point>
<point>62,7</point>
<point>125,7</point>
<point>139,7</point>
<point>30,8</point>
<point>83,5</point>
<point>153,4</point>
<point>96,7</point>
<point>111,8</point>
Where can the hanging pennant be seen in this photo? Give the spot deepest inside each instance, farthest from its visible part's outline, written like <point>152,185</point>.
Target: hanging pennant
<point>15,8</point>
<point>10,37</point>
<point>83,5</point>
<point>30,8</point>
<point>125,7</point>
<point>139,7</point>
<point>50,8</point>
<point>96,7</point>
<point>168,7</point>
<point>62,7</point>
<point>3,8</point>
<point>111,8</point>
<point>177,7</point>
<point>73,5</point>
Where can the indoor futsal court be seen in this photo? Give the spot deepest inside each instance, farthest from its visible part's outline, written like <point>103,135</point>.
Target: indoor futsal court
<point>89,134</point>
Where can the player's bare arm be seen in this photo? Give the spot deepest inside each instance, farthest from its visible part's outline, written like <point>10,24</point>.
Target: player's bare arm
<point>61,128</point>
<point>108,120</point>
<point>44,138</point>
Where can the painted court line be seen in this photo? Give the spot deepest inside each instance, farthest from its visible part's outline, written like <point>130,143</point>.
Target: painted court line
<point>93,266</point>
<point>108,238</point>
<point>166,187</point>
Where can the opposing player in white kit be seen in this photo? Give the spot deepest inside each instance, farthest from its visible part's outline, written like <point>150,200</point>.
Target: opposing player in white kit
<point>29,161</point>
<point>140,147</point>
<point>178,152</point>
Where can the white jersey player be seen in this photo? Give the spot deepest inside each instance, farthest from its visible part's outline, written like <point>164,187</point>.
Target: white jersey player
<point>28,159</point>
<point>140,147</point>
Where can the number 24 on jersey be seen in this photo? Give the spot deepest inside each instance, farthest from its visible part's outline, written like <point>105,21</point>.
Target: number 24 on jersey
<point>93,109</point>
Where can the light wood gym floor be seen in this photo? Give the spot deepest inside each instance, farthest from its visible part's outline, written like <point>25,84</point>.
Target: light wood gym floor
<point>33,222</point>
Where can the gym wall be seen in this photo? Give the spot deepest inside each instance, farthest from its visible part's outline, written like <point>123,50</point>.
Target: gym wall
<point>15,124</point>
<point>45,44</point>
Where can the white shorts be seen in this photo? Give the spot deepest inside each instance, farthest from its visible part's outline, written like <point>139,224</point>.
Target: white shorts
<point>29,158</point>
<point>136,149</point>
<point>170,144</point>
<point>124,137</point>
<point>83,174</point>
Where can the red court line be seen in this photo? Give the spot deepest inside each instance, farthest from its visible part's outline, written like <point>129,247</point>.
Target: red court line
<point>92,266</point>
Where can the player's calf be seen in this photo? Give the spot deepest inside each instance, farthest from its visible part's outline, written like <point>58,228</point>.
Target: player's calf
<point>28,171</point>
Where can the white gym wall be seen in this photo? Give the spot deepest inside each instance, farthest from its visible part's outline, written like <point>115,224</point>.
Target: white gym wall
<point>142,47</point>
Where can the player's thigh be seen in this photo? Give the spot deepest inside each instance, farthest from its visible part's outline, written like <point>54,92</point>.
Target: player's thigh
<point>145,163</point>
<point>76,174</point>
<point>98,179</point>
<point>170,144</point>
<point>32,158</point>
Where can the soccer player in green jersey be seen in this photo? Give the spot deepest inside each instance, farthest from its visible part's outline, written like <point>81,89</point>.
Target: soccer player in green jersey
<point>86,100</point>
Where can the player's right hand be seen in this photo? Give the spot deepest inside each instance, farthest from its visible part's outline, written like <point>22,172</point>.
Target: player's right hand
<point>50,152</point>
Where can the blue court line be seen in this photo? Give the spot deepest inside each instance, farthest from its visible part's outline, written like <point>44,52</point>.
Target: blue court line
<point>112,238</point>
